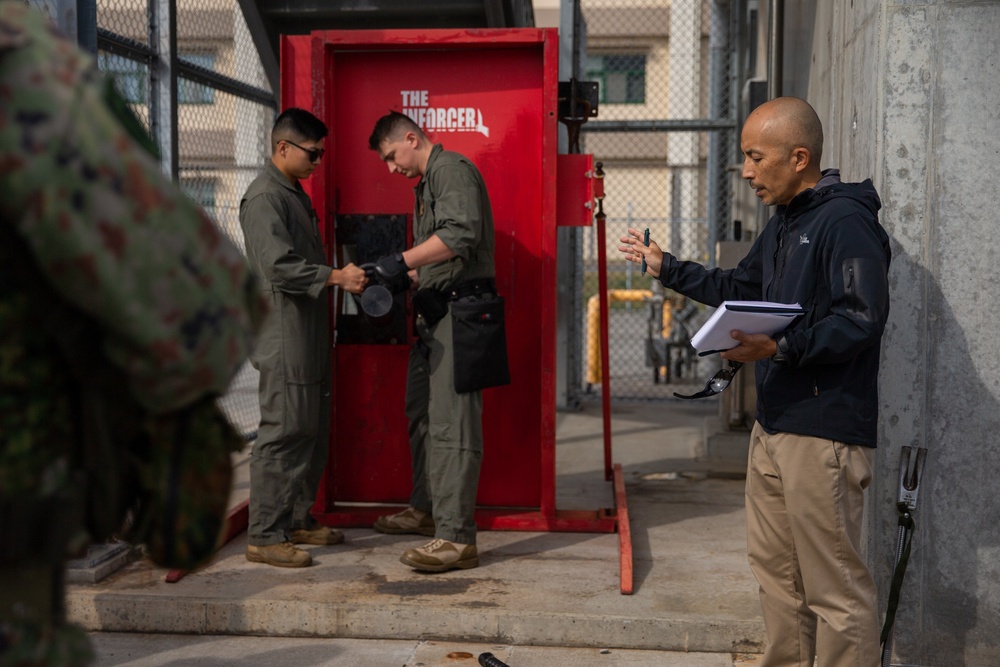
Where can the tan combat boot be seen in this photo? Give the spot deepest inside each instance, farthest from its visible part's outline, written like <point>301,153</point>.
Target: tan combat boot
<point>321,535</point>
<point>409,521</point>
<point>283,554</point>
<point>442,555</point>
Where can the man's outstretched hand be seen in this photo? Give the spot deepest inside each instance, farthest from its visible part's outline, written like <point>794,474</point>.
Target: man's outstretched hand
<point>634,251</point>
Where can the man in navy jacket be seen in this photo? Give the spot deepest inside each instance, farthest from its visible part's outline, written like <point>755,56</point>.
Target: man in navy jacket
<point>812,446</point>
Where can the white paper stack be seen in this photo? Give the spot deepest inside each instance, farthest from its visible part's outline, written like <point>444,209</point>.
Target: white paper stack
<point>752,317</point>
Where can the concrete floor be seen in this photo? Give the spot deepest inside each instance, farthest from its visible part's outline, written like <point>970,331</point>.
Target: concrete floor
<point>694,594</point>
<point>134,650</point>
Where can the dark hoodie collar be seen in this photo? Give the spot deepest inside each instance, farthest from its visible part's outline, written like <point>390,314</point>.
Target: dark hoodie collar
<point>828,177</point>
<point>830,185</point>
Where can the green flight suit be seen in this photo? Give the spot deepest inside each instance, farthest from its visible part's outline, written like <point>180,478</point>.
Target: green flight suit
<point>285,250</point>
<point>445,427</point>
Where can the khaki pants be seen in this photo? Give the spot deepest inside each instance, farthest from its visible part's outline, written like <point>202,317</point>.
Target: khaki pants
<point>804,501</point>
<point>446,435</point>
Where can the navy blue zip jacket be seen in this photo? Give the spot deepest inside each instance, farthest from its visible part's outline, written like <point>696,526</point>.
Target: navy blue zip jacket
<point>827,251</point>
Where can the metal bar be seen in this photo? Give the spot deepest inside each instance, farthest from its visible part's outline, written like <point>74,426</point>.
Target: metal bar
<point>223,83</point>
<point>86,25</point>
<point>125,47</point>
<point>265,48</point>
<point>692,125</point>
<point>354,14</point>
<point>717,88</point>
<point>624,533</point>
<point>602,287</point>
<point>487,518</point>
<point>163,83</point>
<point>775,50</point>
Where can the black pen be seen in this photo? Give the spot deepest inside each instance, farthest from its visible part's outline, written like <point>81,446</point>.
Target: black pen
<point>645,242</point>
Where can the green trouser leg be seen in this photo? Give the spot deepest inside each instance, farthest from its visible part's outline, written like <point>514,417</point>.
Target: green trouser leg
<point>309,486</point>
<point>287,461</point>
<point>418,387</point>
<point>446,436</point>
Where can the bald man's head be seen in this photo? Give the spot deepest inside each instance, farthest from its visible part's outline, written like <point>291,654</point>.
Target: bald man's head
<point>782,144</point>
<point>794,123</point>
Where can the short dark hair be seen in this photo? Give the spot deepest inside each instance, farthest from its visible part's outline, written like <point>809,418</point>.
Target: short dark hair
<point>391,125</point>
<point>297,125</point>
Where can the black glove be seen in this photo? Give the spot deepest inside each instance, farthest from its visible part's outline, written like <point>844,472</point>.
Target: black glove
<point>392,272</point>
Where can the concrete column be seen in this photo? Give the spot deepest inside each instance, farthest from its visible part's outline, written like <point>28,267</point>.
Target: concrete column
<point>908,94</point>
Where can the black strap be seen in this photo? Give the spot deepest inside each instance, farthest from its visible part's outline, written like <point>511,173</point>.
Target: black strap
<point>905,522</point>
<point>472,288</point>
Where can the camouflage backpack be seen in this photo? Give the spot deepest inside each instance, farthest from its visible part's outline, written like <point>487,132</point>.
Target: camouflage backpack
<point>124,312</point>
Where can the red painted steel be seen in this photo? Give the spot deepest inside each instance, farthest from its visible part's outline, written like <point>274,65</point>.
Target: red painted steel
<point>602,286</point>
<point>508,128</point>
<point>576,190</point>
<point>624,532</point>
<point>491,95</point>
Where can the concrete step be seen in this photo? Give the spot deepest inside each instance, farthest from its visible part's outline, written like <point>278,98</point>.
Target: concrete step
<point>693,588</point>
<point>129,650</point>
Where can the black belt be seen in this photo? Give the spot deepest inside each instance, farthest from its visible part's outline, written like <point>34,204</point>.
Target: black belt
<point>472,288</point>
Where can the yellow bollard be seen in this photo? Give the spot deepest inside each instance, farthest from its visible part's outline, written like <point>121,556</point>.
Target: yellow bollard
<point>594,324</point>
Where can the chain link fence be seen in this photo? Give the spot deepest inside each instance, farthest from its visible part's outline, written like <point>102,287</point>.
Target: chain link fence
<point>224,141</point>
<point>212,127</point>
<point>663,68</point>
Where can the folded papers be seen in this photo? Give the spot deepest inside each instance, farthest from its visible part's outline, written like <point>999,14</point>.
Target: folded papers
<point>752,317</point>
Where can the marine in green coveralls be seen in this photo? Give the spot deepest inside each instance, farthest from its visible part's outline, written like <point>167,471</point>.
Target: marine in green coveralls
<point>454,244</point>
<point>293,355</point>
<point>124,313</point>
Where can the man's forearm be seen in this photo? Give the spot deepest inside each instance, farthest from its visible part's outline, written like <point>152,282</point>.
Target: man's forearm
<point>431,251</point>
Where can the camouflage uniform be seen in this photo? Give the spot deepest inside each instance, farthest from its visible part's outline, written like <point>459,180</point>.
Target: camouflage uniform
<point>123,312</point>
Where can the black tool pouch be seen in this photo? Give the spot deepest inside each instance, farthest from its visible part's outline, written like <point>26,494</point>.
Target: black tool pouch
<point>431,304</point>
<point>480,344</point>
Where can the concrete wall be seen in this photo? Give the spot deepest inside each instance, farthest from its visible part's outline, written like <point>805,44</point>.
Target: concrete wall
<point>909,93</point>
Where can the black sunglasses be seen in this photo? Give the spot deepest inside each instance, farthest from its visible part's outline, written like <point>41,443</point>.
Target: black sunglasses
<point>718,383</point>
<point>314,153</point>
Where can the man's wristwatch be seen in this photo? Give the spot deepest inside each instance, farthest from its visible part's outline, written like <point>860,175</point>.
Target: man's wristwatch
<point>780,356</point>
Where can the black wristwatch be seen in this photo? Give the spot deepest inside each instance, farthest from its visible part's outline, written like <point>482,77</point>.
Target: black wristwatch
<point>780,356</point>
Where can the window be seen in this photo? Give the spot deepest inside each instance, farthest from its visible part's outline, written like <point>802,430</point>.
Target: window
<point>189,92</point>
<point>201,190</point>
<point>622,77</point>
<point>129,76</point>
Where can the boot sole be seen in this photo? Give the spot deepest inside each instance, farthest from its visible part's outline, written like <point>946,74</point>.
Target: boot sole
<point>254,558</point>
<point>392,530</point>
<point>317,543</point>
<point>466,564</point>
